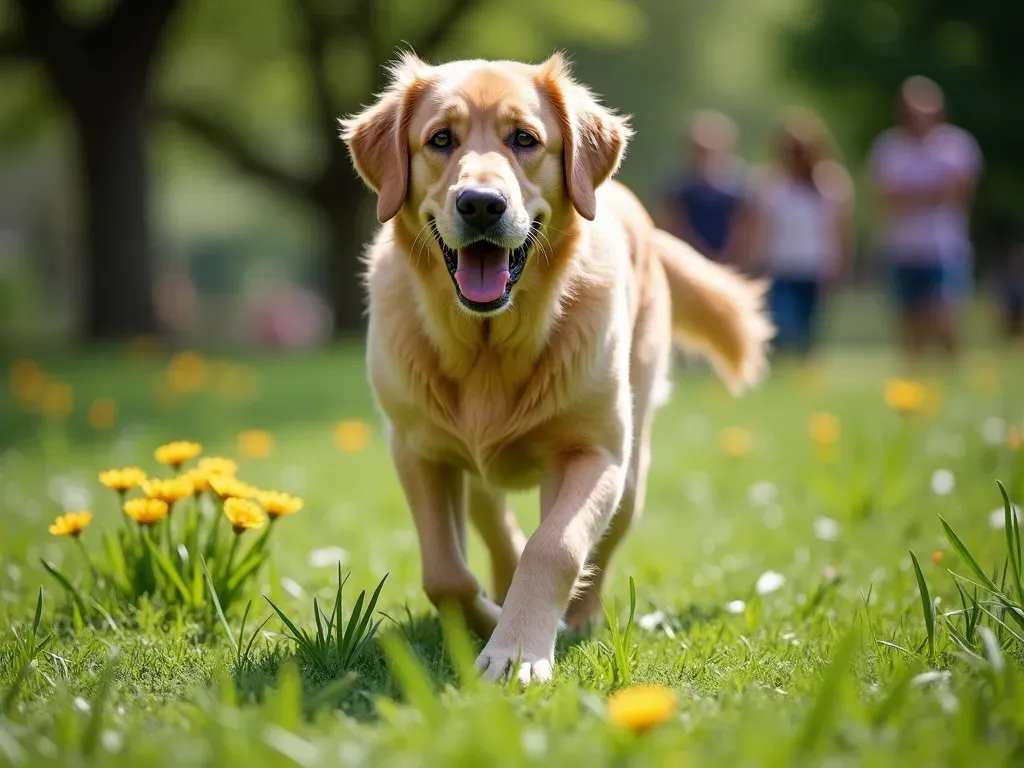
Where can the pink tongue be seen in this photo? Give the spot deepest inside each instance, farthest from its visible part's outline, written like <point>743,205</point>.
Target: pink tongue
<point>482,273</point>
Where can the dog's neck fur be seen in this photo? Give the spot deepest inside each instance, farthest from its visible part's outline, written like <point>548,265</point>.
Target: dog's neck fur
<point>513,338</point>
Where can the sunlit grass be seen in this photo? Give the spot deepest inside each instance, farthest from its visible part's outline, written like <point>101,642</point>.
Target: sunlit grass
<point>819,576</point>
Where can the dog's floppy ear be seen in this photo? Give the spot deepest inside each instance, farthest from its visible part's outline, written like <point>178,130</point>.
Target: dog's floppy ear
<point>378,140</point>
<point>594,138</point>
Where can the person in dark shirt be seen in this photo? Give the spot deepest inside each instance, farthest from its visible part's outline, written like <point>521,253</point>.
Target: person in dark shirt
<point>704,205</point>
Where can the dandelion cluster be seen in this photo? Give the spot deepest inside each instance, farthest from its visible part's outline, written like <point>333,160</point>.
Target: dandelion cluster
<point>173,529</point>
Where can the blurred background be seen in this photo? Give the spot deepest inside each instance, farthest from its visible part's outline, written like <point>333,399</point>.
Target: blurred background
<point>171,168</point>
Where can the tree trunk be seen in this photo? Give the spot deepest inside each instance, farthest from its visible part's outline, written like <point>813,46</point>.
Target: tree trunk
<point>118,300</point>
<point>344,244</point>
<point>341,198</point>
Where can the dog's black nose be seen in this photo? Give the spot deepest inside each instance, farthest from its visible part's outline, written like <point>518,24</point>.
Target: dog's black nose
<point>481,206</point>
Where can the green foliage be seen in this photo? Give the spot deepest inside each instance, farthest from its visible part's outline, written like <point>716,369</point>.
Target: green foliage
<point>621,652</point>
<point>336,645</point>
<point>28,650</point>
<point>243,649</point>
<point>165,562</point>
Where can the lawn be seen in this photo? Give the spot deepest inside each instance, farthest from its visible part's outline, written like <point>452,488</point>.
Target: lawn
<point>776,595</point>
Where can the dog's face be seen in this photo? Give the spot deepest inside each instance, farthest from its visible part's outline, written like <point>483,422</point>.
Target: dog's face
<point>484,162</point>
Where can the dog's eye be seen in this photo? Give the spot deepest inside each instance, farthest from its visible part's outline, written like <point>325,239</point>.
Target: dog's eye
<point>524,139</point>
<point>441,140</point>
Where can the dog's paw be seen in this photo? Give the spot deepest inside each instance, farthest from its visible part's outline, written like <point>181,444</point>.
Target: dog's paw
<point>497,662</point>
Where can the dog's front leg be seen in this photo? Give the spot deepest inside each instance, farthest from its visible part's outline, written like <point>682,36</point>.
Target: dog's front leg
<point>434,494</point>
<point>577,501</point>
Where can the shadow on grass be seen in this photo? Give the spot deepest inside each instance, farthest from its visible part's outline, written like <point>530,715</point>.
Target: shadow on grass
<point>353,692</point>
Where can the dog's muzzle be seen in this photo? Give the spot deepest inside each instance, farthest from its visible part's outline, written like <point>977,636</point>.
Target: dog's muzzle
<point>483,272</point>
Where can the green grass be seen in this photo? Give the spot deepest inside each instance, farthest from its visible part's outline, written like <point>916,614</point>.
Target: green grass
<point>850,659</point>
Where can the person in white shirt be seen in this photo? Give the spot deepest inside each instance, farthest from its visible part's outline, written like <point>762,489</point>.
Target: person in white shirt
<point>802,231</point>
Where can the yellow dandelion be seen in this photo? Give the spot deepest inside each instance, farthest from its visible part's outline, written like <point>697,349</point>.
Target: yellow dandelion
<point>641,707</point>
<point>824,428</point>
<point>255,444</point>
<point>243,515</point>
<point>1015,438</point>
<point>735,442</point>
<point>169,491</point>
<point>352,436</point>
<point>200,480</point>
<point>186,372</point>
<point>279,504</point>
<point>122,480</point>
<point>28,382</point>
<point>71,524</point>
<point>102,414</point>
<point>218,465</point>
<point>237,383</point>
<point>58,400</point>
<point>905,397</point>
<point>230,487</point>
<point>146,511</point>
<point>177,453</point>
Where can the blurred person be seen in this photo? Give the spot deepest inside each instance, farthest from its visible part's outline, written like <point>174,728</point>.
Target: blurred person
<point>802,216</point>
<point>925,171</point>
<point>291,316</point>
<point>176,302</point>
<point>703,205</point>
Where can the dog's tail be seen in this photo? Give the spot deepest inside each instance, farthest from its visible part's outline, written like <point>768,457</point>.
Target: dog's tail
<point>717,312</point>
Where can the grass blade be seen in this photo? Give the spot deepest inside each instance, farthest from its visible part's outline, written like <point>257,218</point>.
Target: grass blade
<point>460,646</point>
<point>320,639</point>
<point>93,728</point>
<point>169,570</point>
<point>217,605</point>
<point>1012,530</point>
<point>299,637</point>
<point>349,635</point>
<point>821,718</point>
<point>361,633</point>
<point>926,604</point>
<point>241,635</point>
<point>411,675</point>
<point>70,588</point>
<point>252,641</point>
<point>336,617</point>
<point>37,619</point>
<point>248,566</point>
<point>965,553</point>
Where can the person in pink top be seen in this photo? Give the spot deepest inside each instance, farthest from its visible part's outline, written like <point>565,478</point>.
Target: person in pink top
<point>925,171</point>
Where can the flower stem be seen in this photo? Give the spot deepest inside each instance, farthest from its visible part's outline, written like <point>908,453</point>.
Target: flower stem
<point>150,572</point>
<point>93,572</point>
<point>230,562</point>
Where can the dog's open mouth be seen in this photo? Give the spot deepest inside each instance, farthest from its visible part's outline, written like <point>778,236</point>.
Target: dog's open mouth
<point>484,272</point>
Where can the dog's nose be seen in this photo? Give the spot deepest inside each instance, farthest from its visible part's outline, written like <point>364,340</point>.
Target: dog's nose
<point>481,206</point>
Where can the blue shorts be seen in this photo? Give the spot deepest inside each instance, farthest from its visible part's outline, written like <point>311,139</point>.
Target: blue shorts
<point>794,304</point>
<point>917,284</point>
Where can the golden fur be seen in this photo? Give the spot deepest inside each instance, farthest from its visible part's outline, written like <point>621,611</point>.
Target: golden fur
<point>558,387</point>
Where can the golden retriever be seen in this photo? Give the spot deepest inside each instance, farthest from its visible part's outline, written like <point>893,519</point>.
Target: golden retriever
<point>521,317</point>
